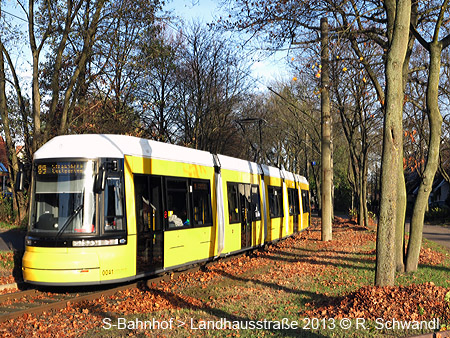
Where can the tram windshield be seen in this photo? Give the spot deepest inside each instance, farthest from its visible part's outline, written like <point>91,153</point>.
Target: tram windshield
<point>63,197</point>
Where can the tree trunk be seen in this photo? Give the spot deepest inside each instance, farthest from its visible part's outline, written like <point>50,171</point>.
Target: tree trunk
<point>317,188</point>
<point>13,162</point>
<point>400,219</point>
<point>435,120</point>
<point>35,93</point>
<point>21,104</point>
<point>360,202</point>
<point>326,136</point>
<point>364,191</point>
<point>398,15</point>
<point>36,104</point>
<point>402,196</point>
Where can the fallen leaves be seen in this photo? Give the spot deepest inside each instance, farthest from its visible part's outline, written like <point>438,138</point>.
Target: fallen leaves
<point>430,257</point>
<point>267,277</point>
<point>412,302</point>
<point>6,267</point>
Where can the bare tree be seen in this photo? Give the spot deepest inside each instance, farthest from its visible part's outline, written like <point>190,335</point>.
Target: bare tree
<point>360,125</point>
<point>160,53</point>
<point>358,23</point>
<point>212,83</point>
<point>67,32</point>
<point>435,48</point>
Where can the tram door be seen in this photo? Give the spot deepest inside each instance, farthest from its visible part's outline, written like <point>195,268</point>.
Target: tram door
<point>246,215</point>
<point>294,207</point>
<point>149,223</point>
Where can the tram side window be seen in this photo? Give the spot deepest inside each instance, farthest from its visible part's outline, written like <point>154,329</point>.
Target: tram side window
<point>293,201</point>
<point>201,200</point>
<point>296,202</point>
<point>148,207</point>
<point>305,201</point>
<point>233,203</point>
<point>155,205</point>
<point>177,203</point>
<point>275,202</point>
<point>143,209</point>
<point>113,205</point>
<point>255,203</point>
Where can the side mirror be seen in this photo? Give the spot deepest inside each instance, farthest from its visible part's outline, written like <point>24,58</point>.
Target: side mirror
<point>100,180</point>
<point>19,184</point>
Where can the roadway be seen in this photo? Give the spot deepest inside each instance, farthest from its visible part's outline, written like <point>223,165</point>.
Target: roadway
<point>12,240</point>
<point>437,233</point>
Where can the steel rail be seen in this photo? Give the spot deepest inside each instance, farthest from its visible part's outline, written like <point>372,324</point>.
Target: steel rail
<point>47,304</point>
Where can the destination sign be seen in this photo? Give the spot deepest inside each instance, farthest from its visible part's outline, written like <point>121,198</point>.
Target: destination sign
<point>61,168</point>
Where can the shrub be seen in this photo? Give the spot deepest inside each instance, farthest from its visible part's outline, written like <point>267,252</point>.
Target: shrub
<point>353,213</point>
<point>437,214</point>
<point>6,209</point>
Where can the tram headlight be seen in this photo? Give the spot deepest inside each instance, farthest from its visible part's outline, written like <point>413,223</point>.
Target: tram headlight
<point>97,242</point>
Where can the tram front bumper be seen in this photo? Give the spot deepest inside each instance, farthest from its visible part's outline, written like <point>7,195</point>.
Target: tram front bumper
<point>59,266</point>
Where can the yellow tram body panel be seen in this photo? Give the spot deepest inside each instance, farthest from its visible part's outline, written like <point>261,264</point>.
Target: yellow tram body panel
<point>305,215</point>
<point>233,230</point>
<point>118,262</point>
<point>274,225</point>
<point>188,245</point>
<point>151,166</point>
<point>290,231</point>
<point>184,245</point>
<point>77,265</point>
<point>143,165</point>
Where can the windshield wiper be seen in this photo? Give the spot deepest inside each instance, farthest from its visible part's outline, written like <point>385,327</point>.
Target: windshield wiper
<point>68,221</point>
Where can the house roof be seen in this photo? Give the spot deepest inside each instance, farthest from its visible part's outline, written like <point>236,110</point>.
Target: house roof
<point>3,168</point>
<point>3,158</point>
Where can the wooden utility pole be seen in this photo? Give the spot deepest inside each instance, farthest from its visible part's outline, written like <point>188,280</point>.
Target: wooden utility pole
<point>327,175</point>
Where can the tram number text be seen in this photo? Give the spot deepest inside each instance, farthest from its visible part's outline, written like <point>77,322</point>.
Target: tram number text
<point>107,272</point>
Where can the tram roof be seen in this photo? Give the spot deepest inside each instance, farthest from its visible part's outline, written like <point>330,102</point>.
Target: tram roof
<point>288,175</point>
<point>92,146</point>
<point>117,146</point>
<point>231,163</point>
<point>271,171</point>
<point>281,173</point>
<point>301,179</point>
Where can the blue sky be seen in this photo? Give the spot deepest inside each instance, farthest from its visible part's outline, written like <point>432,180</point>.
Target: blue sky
<point>204,10</point>
<point>267,70</point>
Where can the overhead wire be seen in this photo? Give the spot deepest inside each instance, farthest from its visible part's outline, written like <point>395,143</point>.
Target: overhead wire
<point>13,15</point>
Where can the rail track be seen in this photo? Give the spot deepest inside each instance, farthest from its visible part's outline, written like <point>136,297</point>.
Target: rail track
<point>38,301</point>
<point>34,301</point>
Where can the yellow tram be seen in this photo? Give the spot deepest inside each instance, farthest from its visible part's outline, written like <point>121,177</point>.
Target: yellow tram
<point>112,208</point>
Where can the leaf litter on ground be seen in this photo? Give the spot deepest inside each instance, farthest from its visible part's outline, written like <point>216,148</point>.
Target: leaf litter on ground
<point>301,256</point>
